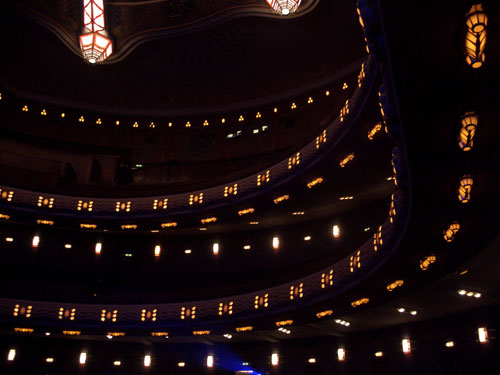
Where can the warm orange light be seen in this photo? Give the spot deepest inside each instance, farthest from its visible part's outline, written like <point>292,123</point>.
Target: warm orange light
<point>475,39</point>
<point>394,285</point>
<point>450,231</point>
<point>427,261</point>
<point>346,160</point>
<point>469,123</point>
<point>465,188</point>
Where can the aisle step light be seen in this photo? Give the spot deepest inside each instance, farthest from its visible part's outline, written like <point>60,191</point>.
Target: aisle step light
<point>147,360</point>
<point>12,355</point>
<point>98,248</point>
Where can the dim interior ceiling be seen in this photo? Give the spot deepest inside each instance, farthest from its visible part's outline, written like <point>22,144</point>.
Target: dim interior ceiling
<point>435,165</point>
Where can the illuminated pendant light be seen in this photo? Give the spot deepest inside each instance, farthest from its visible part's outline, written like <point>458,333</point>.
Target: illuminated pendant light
<point>284,7</point>
<point>94,42</point>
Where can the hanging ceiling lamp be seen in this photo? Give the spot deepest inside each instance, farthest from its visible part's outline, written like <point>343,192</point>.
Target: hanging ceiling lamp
<point>94,42</point>
<point>284,7</point>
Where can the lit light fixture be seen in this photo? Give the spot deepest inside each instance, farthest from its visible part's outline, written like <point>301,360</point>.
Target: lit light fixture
<point>210,361</point>
<point>482,334</point>
<point>147,360</point>
<point>336,231</point>
<point>346,160</point>
<point>246,211</point>
<point>181,364</point>
<point>467,293</point>
<point>450,231</point>
<point>281,199</point>
<point>284,330</point>
<point>374,131</point>
<point>467,132</point>
<point>427,261</point>
<point>201,333</point>
<point>394,285</point>
<point>12,355</point>
<point>276,243</point>
<point>307,238</point>
<point>215,248</point>
<point>247,247</point>
<point>465,188</point>
<point>275,360</point>
<point>311,360</point>
<point>94,42</point>
<point>98,248</point>
<point>209,220</point>
<point>284,7</point>
<point>117,363</point>
<point>244,329</point>
<point>49,360</point>
<point>228,336</point>
<point>341,354</point>
<point>360,302</point>
<point>401,310</point>
<point>157,250</point>
<point>88,226</point>
<point>449,344</point>
<point>405,343</point>
<point>68,246</point>
<point>187,251</point>
<point>283,323</point>
<point>413,312</point>
<point>379,354</point>
<point>35,242</point>
<point>172,224</point>
<point>83,358</point>
<point>314,182</point>
<point>475,39</point>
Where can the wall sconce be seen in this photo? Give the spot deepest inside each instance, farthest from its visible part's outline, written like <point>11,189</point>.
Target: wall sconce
<point>465,188</point>
<point>475,39</point>
<point>467,131</point>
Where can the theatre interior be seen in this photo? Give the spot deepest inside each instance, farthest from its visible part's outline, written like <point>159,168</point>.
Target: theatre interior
<point>249,187</point>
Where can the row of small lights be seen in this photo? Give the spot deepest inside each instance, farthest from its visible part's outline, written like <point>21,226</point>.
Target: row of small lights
<point>157,249</point>
<point>188,124</point>
<point>126,206</point>
<point>210,359</point>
